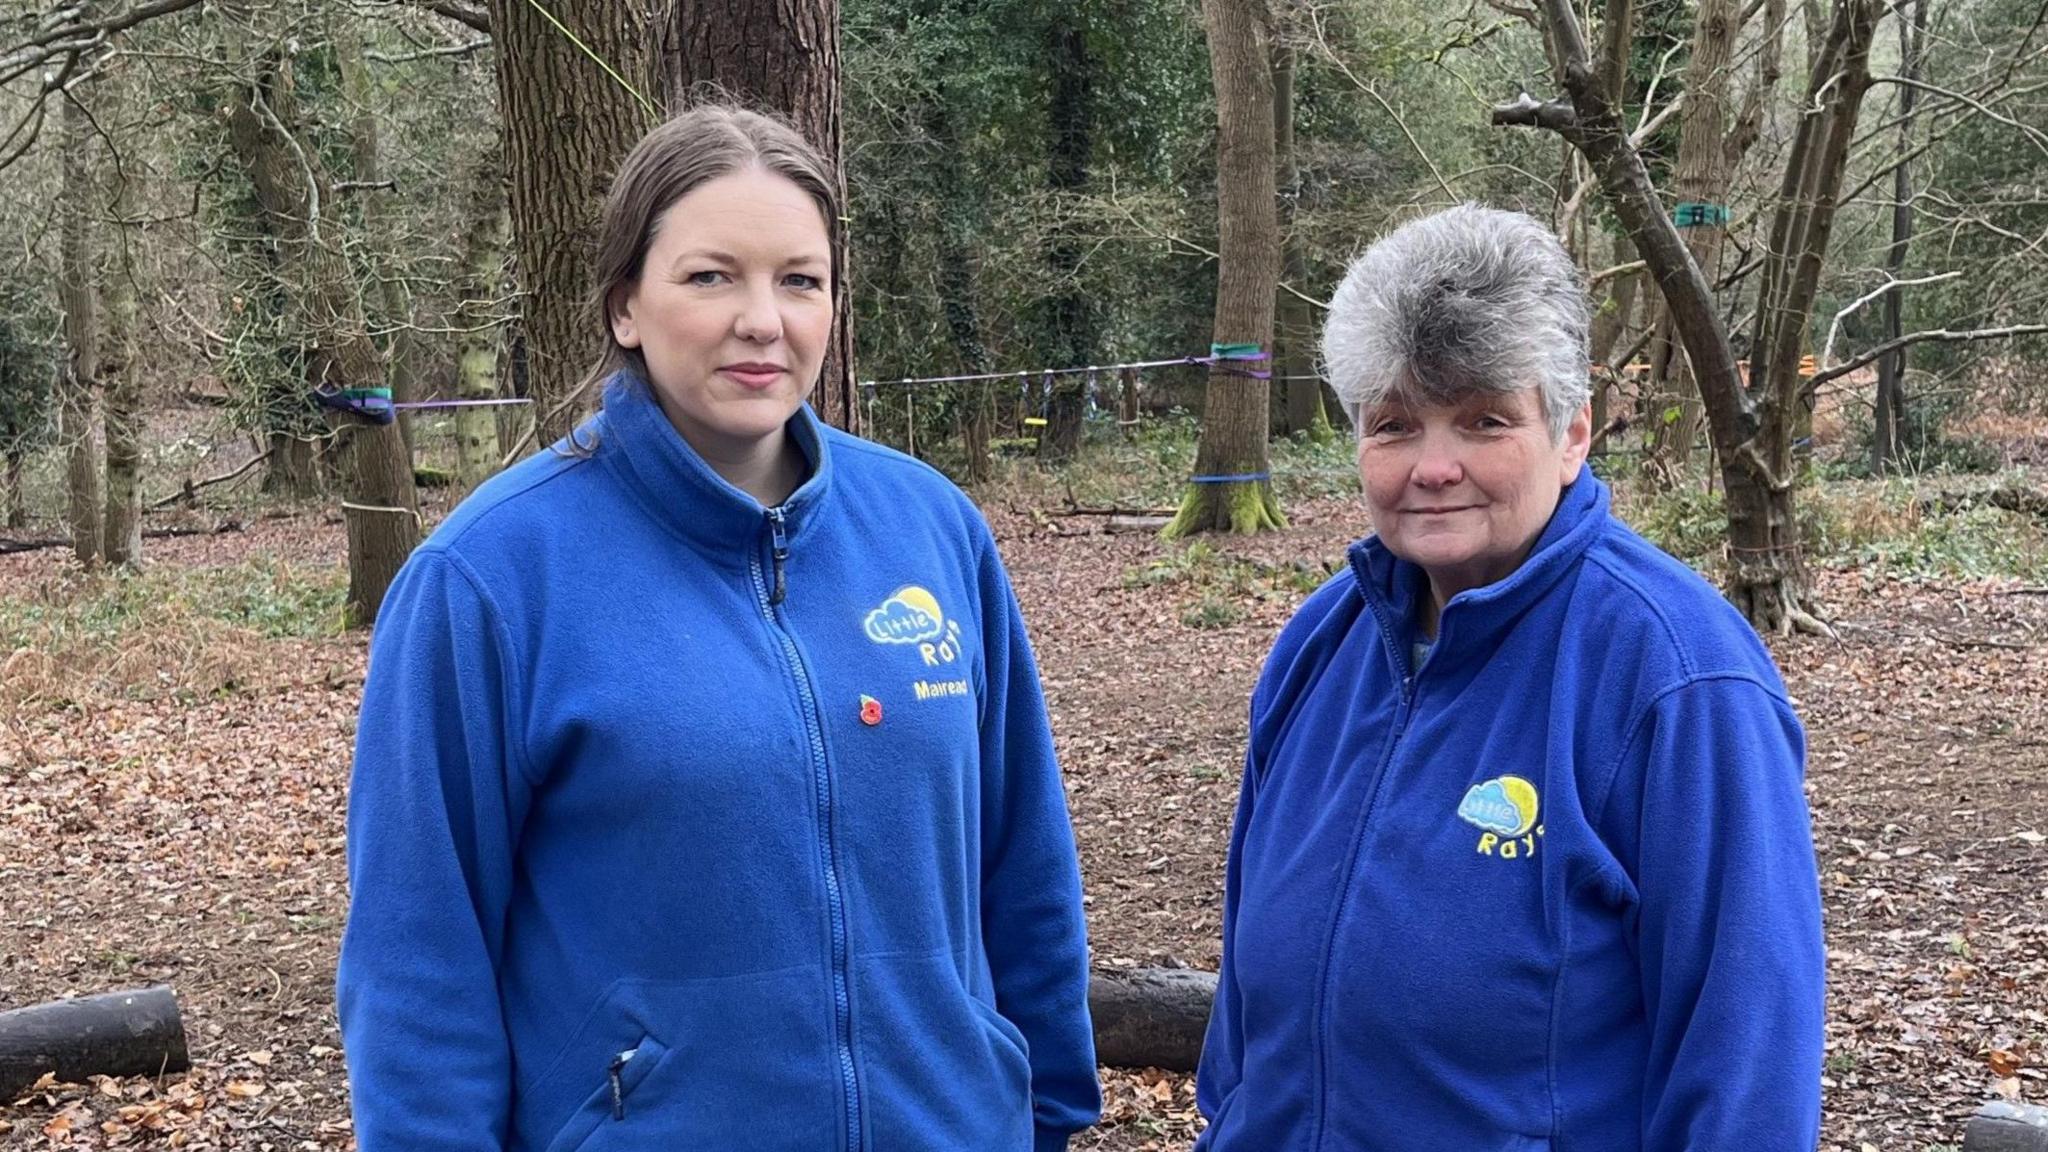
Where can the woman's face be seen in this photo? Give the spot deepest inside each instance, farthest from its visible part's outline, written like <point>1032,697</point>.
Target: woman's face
<point>732,311</point>
<point>1464,489</point>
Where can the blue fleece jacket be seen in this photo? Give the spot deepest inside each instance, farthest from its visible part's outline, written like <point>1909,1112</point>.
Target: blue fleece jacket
<point>678,823</point>
<point>1552,889</point>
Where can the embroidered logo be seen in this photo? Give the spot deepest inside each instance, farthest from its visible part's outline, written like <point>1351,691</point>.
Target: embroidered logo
<point>1504,809</point>
<point>912,615</point>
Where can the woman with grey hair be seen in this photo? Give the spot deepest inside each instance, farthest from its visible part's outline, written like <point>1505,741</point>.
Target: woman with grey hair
<point>1522,858</point>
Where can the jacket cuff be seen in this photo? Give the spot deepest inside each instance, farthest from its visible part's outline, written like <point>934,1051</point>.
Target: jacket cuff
<point>1048,1140</point>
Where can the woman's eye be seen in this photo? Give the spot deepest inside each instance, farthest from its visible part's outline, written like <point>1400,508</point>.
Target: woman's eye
<point>706,278</point>
<point>1388,428</point>
<point>805,282</point>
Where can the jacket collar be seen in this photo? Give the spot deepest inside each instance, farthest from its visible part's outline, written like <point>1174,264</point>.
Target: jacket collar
<point>681,491</point>
<point>1474,619</point>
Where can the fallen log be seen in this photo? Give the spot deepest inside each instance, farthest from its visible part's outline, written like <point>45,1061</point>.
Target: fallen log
<point>2005,1126</point>
<point>131,1033</point>
<point>1150,1017</point>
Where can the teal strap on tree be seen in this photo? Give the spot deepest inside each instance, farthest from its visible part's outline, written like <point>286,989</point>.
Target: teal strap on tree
<point>1237,352</point>
<point>1232,478</point>
<point>1694,214</point>
<point>373,404</point>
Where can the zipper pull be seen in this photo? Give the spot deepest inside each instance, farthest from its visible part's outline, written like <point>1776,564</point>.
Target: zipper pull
<point>618,1095</point>
<point>777,531</point>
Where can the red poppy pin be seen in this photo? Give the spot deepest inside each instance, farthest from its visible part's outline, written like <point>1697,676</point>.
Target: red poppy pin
<point>870,711</point>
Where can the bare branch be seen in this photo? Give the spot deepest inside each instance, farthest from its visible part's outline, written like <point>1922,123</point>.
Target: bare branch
<point>1940,334</point>
<point>2034,135</point>
<point>462,49</point>
<point>83,34</point>
<point>462,14</point>
<point>1606,274</point>
<point>1827,349</point>
<point>1330,54</point>
<point>1528,112</point>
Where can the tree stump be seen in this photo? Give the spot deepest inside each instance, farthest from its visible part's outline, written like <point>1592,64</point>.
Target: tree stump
<point>2004,1126</point>
<point>132,1033</point>
<point>1151,1017</point>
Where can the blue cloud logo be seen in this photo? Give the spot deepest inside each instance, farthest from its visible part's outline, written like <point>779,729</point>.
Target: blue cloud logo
<point>1505,805</point>
<point>908,616</point>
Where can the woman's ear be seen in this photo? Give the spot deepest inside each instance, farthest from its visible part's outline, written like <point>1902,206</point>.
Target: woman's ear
<point>618,312</point>
<point>1578,442</point>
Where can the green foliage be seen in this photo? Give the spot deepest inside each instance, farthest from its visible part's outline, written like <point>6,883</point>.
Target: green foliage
<point>1222,580</point>
<point>263,595</point>
<point>28,364</point>
<point>1892,525</point>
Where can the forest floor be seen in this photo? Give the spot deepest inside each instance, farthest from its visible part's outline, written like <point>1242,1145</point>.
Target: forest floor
<point>174,751</point>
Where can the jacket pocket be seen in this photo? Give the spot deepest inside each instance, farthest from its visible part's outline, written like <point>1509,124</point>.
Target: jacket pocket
<point>1006,1032</point>
<point>942,1071</point>
<point>721,1063</point>
<point>610,1101</point>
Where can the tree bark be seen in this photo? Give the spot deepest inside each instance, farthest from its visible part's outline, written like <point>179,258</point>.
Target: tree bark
<point>975,401</point>
<point>1885,439</point>
<point>1610,323</point>
<point>1234,414</point>
<point>483,252</point>
<point>132,1033</point>
<point>1759,471</point>
<point>402,353</point>
<point>380,508</point>
<point>1704,172</point>
<point>1294,356</point>
<point>2007,1126</point>
<point>17,499</point>
<point>1074,317</point>
<point>566,124</point>
<point>782,55</point>
<point>1150,1017</point>
<point>121,533</point>
<point>78,397</point>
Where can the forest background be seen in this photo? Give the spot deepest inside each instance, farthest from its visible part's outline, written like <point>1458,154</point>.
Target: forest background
<point>1815,231</point>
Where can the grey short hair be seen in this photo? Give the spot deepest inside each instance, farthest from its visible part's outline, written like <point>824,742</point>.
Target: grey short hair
<point>1470,299</point>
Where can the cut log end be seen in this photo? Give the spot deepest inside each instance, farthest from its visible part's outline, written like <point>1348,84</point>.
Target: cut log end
<point>136,1032</point>
<point>2006,1126</point>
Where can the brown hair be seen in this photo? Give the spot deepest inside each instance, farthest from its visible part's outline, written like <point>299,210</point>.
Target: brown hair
<point>690,149</point>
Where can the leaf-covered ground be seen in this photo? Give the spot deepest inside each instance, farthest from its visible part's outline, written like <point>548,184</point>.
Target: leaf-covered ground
<point>171,811</point>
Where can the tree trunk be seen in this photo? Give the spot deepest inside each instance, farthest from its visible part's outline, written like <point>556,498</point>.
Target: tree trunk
<point>78,400</point>
<point>17,499</point>
<point>1610,324</point>
<point>121,533</point>
<point>1075,320</point>
<point>1294,353</point>
<point>1704,172</point>
<point>483,253</point>
<point>380,508</point>
<point>782,55</point>
<point>1769,576</point>
<point>1751,427</point>
<point>1231,490</point>
<point>1885,440</point>
<point>132,1033</point>
<point>566,124</point>
<point>402,355</point>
